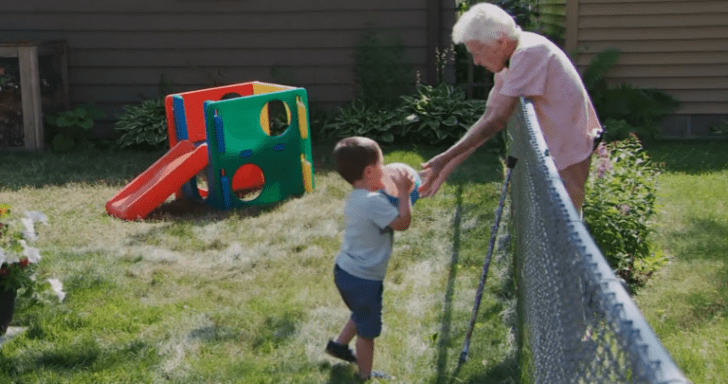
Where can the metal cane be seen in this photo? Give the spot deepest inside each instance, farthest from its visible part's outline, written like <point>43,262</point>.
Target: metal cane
<point>510,163</point>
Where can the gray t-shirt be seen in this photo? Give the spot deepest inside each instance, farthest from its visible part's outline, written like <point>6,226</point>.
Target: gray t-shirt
<point>367,243</point>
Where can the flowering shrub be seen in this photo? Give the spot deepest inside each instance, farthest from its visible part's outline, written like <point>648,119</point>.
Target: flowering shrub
<point>18,260</point>
<point>619,205</point>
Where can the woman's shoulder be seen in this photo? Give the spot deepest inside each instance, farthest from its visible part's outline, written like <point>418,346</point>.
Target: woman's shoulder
<point>530,42</point>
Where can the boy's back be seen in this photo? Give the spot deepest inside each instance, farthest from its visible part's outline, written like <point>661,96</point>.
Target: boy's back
<point>367,243</point>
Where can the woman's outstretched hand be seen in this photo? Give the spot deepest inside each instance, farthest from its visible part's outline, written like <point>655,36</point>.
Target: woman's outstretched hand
<point>432,176</point>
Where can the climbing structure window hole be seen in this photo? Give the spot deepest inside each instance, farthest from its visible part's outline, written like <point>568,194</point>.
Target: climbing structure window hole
<point>277,116</point>
<point>230,95</point>
<point>201,179</point>
<point>248,182</point>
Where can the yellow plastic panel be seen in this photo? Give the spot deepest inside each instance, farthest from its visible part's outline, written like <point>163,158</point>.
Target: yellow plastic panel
<point>302,120</point>
<point>264,123</point>
<point>307,174</point>
<point>260,88</point>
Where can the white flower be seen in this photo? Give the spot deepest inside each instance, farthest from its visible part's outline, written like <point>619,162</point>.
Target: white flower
<point>12,258</point>
<point>33,254</point>
<point>29,232</point>
<point>57,287</point>
<point>37,217</point>
<point>2,256</point>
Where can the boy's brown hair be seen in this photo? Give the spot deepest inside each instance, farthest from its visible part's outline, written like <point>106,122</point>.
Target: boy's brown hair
<point>353,155</point>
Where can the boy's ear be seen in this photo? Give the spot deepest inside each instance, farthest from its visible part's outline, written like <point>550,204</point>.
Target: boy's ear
<point>367,170</point>
<point>364,173</point>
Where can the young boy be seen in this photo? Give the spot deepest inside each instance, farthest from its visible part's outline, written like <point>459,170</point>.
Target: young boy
<point>367,245</point>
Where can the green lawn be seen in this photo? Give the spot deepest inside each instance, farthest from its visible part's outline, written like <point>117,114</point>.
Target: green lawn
<point>196,295</point>
<point>245,296</point>
<point>687,301</point>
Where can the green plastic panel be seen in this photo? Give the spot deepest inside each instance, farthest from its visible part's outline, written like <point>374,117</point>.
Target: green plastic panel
<point>236,138</point>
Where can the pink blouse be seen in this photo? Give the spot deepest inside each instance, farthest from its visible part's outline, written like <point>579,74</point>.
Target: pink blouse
<point>541,71</point>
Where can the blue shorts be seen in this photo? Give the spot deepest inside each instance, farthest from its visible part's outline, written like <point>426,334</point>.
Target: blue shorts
<point>364,299</point>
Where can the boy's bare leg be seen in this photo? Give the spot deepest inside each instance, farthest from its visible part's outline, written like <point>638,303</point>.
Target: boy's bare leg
<point>347,333</point>
<point>364,356</point>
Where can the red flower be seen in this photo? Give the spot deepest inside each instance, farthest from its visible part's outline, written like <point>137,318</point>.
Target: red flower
<point>3,272</point>
<point>23,263</point>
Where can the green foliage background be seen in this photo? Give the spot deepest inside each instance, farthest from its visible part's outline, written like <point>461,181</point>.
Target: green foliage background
<point>143,126</point>
<point>71,129</point>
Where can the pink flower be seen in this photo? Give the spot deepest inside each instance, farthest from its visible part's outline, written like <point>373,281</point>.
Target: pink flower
<point>602,150</point>
<point>604,166</point>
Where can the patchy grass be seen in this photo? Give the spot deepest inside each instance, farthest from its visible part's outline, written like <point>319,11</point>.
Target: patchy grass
<point>198,295</point>
<point>687,301</point>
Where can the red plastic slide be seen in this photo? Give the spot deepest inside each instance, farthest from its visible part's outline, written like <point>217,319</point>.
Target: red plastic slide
<point>150,189</point>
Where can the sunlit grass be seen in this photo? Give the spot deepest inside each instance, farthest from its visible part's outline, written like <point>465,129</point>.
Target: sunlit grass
<point>245,296</point>
<point>687,301</point>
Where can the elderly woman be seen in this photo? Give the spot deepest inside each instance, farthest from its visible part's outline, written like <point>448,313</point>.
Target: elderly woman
<point>529,65</point>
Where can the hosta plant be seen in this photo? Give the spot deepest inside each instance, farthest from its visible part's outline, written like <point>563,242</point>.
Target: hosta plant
<point>143,126</point>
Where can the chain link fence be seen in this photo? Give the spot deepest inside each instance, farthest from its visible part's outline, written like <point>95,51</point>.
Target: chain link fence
<point>577,323</point>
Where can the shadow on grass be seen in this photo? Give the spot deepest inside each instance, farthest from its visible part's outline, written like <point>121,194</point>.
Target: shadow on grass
<point>105,167</point>
<point>503,372</point>
<point>41,169</point>
<point>199,213</point>
<point>446,322</point>
<point>689,156</point>
<point>341,373</point>
<point>86,354</point>
<point>705,239</point>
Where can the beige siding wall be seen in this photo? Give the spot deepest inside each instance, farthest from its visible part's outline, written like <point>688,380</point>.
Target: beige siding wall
<point>118,50</point>
<point>680,47</point>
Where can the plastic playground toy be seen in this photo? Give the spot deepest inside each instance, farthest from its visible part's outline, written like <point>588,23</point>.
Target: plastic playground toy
<point>227,138</point>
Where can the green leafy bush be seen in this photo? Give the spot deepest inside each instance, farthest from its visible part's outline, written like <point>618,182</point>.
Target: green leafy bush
<point>361,119</point>
<point>522,11</point>
<point>437,115</point>
<point>620,203</point>
<point>143,126</point>
<point>69,129</point>
<point>624,109</point>
<point>719,128</point>
<point>433,116</point>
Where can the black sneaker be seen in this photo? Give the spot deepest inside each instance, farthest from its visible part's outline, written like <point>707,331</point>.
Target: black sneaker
<point>340,351</point>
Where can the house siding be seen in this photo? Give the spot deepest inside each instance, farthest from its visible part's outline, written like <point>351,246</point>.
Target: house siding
<point>680,47</point>
<point>120,51</point>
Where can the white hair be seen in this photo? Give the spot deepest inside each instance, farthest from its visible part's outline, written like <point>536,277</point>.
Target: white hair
<point>485,23</point>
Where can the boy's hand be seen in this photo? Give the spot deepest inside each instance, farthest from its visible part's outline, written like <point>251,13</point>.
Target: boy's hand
<point>402,177</point>
<point>403,180</point>
<point>393,174</point>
